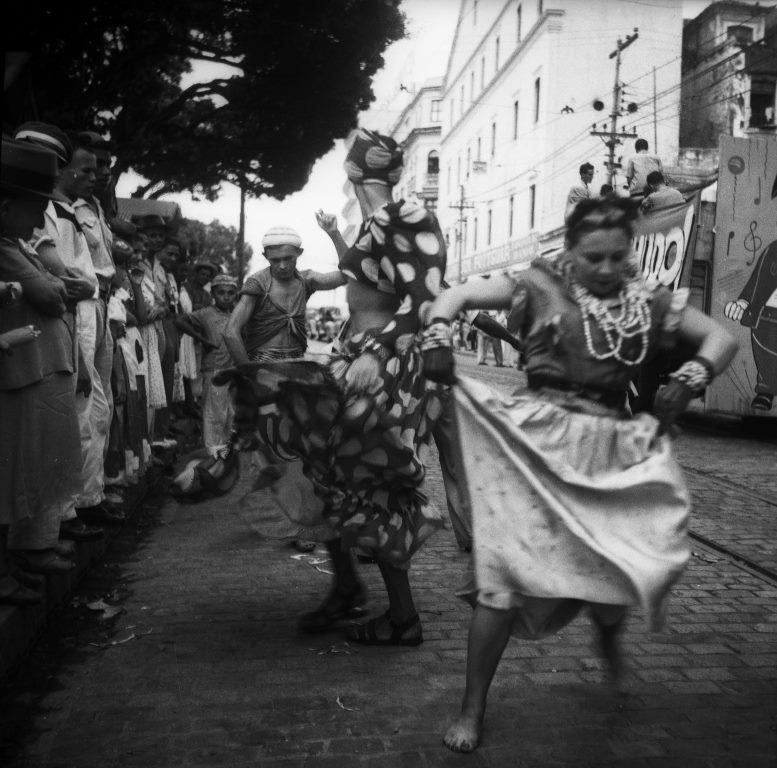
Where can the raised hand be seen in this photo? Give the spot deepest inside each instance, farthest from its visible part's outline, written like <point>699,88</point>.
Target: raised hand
<point>327,221</point>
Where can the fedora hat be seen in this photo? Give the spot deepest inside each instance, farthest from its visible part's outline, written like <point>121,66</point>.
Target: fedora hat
<point>149,221</point>
<point>204,264</point>
<point>46,136</point>
<point>28,170</point>
<point>96,143</point>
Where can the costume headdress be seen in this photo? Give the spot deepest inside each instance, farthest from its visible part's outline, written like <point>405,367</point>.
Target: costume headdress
<point>281,235</point>
<point>225,280</point>
<point>373,159</point>
<point>601,213</point>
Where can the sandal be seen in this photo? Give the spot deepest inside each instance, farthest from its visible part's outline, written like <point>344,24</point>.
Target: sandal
<point>339,605</point>
<point>366,633</point>
<point>17,594</point>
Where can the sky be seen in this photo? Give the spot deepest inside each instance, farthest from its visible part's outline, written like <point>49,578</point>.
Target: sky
<point>409,62</point>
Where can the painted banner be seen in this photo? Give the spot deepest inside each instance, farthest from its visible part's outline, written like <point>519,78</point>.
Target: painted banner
<point>744,290</point>
<point>665,241</point>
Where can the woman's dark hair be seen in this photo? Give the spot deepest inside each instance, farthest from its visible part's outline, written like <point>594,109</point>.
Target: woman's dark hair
<point>601,213</point>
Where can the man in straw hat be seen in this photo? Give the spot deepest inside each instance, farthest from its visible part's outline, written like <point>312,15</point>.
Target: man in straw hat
<point>39,446</point>
<point>62,239</point>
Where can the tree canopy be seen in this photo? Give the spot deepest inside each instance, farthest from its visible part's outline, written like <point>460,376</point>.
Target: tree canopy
<point>294,76</point>
<point>213,242</point>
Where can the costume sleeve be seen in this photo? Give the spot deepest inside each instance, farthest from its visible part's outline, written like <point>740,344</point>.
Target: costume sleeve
<point>411,251</point>
<point>518,318</point>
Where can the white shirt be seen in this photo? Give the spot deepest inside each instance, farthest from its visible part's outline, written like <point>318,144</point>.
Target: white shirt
<point>61,228</point>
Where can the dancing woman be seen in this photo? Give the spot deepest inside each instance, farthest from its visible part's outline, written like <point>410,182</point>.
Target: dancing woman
<point>359,423</point>
<point>575,503</point>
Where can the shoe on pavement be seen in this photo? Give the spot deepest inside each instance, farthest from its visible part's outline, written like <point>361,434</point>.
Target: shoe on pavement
<point>41,561</point>
<point>27,579</point>
<point>101,515</point>
<point>65,548</point>
<point>78,530</point>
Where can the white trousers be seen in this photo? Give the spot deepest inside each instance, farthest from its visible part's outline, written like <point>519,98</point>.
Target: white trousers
<point>94,412</point>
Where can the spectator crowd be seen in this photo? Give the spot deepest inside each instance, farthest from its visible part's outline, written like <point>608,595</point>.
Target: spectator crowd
<point>109,336</point>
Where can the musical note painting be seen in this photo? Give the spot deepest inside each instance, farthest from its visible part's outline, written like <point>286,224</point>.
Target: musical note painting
<point>745,287</point>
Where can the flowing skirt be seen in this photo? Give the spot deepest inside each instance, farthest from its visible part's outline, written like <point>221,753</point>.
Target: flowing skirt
<point>569,508</point>
<point>364,454</point>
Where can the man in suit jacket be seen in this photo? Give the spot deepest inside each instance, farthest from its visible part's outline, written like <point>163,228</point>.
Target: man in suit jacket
<point>756,308</point>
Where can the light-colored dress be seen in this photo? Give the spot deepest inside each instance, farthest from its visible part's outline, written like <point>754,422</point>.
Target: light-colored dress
<point>574,501</point>
<point>155,384</point>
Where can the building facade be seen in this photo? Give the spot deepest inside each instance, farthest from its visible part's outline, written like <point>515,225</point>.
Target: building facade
<point>417,131</point>
<point>524,85</point>
<point>729,73</point>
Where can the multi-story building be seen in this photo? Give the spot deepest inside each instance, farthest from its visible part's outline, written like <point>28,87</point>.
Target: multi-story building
<point>729,73</point>
<point>417,131</point>
<point>526,81</point>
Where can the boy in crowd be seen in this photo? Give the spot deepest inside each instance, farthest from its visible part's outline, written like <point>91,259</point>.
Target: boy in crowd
<point>207,325</point>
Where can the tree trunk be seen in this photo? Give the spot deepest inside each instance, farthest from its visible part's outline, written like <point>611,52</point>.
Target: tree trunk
<point>241,235</point>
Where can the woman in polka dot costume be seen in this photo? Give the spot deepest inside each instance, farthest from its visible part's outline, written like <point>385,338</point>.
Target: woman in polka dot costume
<point>362,424</point>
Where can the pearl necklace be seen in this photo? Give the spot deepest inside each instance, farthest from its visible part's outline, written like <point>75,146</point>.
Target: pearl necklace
<point>633,320</point>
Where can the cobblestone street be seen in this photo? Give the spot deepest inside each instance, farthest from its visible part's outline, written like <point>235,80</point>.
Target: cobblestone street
<point>205,666</point>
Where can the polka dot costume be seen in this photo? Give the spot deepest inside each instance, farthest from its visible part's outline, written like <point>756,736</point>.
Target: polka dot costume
<point>399,250</point>
<point>366,453</point>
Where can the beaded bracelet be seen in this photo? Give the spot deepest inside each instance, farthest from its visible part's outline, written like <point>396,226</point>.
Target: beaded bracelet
<point>374,347</point>
<point>696,374</point>
<point>437,336</point>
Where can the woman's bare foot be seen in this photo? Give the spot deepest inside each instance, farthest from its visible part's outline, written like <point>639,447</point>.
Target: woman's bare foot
<point>464,734</point>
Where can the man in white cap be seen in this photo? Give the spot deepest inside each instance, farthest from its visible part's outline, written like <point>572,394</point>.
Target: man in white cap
<point>269,320</point>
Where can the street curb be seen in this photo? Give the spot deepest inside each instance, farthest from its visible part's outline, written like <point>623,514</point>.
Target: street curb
<point>21,627</point>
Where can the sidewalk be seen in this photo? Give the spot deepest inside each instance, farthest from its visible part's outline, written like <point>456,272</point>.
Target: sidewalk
<point>209,670</point>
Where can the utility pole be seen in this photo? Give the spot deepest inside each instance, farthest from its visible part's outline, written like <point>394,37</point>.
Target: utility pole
<point>461,206</point>
<point>613,136</point>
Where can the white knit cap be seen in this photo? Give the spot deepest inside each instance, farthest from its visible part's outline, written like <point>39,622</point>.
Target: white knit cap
<point>281,236</point>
